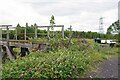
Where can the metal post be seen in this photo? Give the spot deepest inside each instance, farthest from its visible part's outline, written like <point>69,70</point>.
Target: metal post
<point>25,33</point>
<point>63,31</point>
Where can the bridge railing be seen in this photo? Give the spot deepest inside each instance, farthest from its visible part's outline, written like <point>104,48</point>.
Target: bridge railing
<point>8,27</point>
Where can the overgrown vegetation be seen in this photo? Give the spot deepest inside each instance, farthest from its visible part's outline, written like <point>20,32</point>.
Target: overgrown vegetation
<point>69,61</point>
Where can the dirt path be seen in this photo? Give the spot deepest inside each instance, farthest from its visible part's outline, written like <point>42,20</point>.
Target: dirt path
<point>106,69</point>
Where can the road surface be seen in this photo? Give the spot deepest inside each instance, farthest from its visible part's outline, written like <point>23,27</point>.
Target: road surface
<point>107,69</point>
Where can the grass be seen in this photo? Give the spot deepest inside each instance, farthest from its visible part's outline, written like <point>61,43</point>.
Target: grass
<point>72,61</point>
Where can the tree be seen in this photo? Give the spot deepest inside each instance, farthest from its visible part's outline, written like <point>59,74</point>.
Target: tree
<point>113,28</point>
<point>35,24</point>
<point>52,22</point>
<point>18,25</point>
<point>27,25</point>
<point>32,25</point>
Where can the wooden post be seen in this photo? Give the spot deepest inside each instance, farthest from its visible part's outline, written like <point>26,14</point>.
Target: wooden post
<point>36,32</point>
<point>63,32</point>
<point>7,35</point>
<point>9,51</point>
<point>0,33</point>
<point>25,34</point>
<point>16,33</point>
<point>7,29</point>
<point>48,32</point>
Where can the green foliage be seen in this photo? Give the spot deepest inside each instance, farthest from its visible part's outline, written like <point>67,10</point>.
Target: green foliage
<point>113,27</point>
<point>89,35</point>
<point>52,22</point>
<point>12,32</point>
<point>69,62</point>
<point>18,25</point>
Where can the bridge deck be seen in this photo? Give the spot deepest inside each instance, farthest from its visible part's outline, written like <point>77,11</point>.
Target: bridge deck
<point>21,43</point>
<point>7,46</point>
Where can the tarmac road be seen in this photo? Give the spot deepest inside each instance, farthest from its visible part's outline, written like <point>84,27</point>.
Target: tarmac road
<point>107,69</point>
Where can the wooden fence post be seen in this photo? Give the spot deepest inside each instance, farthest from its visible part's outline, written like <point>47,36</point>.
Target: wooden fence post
<point>36,32</point>
<point>63,32</point>
<point>16,33</point>
<point>48,32</point>
<point>7,35</point>
<point>25,34</point>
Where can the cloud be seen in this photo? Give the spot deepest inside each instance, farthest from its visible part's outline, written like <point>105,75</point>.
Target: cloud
<point>82,14</point>
<point>15,12</point>
<point>63,8</point>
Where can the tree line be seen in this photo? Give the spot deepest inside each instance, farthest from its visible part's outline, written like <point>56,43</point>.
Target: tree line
<point>114,28</point>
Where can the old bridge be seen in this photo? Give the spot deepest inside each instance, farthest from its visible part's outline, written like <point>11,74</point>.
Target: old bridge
<point>7,45</point>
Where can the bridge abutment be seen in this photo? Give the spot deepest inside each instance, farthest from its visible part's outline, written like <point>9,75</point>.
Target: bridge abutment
<point>8,53</point>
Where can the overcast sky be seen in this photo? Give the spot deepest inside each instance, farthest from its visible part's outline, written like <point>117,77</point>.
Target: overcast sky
<point>81,14</point>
